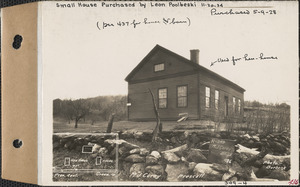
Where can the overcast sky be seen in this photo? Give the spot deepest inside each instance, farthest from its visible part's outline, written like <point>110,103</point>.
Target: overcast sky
<point>80,61</point>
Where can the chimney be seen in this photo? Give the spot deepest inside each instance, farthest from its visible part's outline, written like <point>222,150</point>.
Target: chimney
<point>195,55</point>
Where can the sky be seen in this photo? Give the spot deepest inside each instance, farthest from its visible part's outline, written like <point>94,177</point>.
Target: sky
<point>81,61</point>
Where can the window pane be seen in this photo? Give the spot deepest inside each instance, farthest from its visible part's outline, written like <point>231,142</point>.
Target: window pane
<point>207,102</point>
<point>162,98</point>
<point>217,99</point>
<point>162,103</point>
<point>162,93</point>
<point>207,97</point>
<point>233,104</point>
<point>182,91</point>
<point>207,91</point>
<point>182,101</point>
<point>159,67</point>
<point>217,94</point>
<point>217,104</point>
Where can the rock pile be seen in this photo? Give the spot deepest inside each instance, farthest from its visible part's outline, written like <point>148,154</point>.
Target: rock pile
<point>188,160</point>
<point>277,143</point>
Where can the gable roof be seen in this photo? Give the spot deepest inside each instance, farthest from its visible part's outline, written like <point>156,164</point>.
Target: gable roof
<point>181,58</point>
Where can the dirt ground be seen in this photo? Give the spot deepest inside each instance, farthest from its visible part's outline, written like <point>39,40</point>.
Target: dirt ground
<point>63,127</point>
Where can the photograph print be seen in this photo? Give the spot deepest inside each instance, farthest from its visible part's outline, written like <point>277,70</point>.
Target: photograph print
<point>172,94</point>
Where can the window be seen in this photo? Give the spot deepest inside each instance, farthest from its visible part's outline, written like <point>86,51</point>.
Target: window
<point>162,98</point>
<point>217,99</point>
<point>159,67</point>
<point>207,97</point>
<point>234,104</point>
<point>239,106</point>
<point>182,96</point>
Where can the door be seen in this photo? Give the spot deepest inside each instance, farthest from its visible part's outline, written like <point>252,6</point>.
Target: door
<point>226,105</point>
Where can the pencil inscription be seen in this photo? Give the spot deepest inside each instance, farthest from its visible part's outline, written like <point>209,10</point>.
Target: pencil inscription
<point>101,25</point>
<point>246,58</point>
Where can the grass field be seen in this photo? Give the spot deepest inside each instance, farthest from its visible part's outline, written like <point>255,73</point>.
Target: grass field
<point>63,126</point>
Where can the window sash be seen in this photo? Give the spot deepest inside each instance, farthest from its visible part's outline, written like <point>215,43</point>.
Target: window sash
<point>217,99</point>
<point>182,96</point>
<point>234,104</point>
<point>159,67</point>
<point>162,98</point>
<point>207,97</point>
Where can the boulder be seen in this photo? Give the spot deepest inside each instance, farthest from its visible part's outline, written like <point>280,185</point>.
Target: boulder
<point>195,155</point>
<point>192,166</point>
<point>137,168</point>
<point>193,140</point>
<point>126,167</point>
<point>156,169</point>
<point>227,176</point>
<point>170,157</point>
<point>155,154</point>
<point>236,168</point>
<point>254,169</point>
<point>263,172</point>
<point>144,152</point>
<point>175,170</point>
<point>123,151</point>
<point>258,163</point>
<point>126,135</point>
<point>102,151</point>
<point>135,158</point>
<point>208,173</point>
<point>151,160</point>
<point>96,148</point>
<point>183,159</point>
<point>138,135</point>
<point>179,151</point>
<point>220,167</point>
<point>121,143</point>
<point>256,138</point>
<point>279,175</point>
<point>247,136</point>
<point>173,140</point>
<point>94,155</point>
<point>205,145</point>
<point>135,151</point>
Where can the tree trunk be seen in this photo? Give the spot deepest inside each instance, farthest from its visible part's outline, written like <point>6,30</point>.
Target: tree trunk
<point>158,127</point>
<point>76,123</point>
<point>110,123</point>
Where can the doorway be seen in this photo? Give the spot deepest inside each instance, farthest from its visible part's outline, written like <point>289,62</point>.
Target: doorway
<point>226,106</point>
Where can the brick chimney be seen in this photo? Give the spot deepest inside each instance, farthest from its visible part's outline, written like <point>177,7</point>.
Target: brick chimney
<point>195,55</point>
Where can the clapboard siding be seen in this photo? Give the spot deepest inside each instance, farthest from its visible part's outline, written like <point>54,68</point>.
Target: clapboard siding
<point>141,102</point>
<point>206,80</point>
<point>172,66</point>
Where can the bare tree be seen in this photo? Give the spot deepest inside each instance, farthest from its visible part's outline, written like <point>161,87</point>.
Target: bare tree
<point>158,127</point>
<point>80,108</point>
<point>67,110</point>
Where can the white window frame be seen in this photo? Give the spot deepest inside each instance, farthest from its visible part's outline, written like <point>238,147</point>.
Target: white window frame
<point>162,98</point>
<point>207,97</point>
<point>182,96</point>
<point>159,67</point>
<point>217,99</point>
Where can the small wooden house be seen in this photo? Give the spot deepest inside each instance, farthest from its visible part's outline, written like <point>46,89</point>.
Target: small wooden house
<point>181,86</point>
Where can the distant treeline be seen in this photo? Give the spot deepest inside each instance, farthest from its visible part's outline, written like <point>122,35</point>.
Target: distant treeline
<point>90,110</point>
<point>257,104</point>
